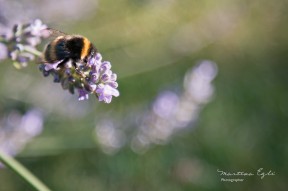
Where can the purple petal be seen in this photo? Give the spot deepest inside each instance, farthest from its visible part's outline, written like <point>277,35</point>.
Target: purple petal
<point>22,59</point>
<point>106,65</point>
<point>33,41</point>
<point>93,87</point>
<point>98,57</point>
<point>108,99</point>
<point>105,77</point>
<point>113,84</point>
<point>113,77</point>
<point>50,66</point>
<point>105,93</point>
<point>36,27</point>
<point>91,61</point>
<point>95,67</point>
<point>94,77</point>
<point>83,95</point>
<point>14,54</point>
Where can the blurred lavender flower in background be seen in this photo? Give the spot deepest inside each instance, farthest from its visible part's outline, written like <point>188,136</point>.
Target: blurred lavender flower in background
<point>197,82</point>
<point>110,137</point>
<point>21,42</point>
<point>46,10</point>
<point>170,113</point>
<point>16,130</point>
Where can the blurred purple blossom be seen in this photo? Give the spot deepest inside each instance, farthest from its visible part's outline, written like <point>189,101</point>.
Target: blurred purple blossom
<point>170,113</point>
<point>45,9</point>
<point>21,42</point>
<point>36,28</point>
<point>110,137</point>
<point>17,130</point>
<point>165,104</point>
<point>198,82</point>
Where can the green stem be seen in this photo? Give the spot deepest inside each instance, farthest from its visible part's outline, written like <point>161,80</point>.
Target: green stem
<point>1,39</point>
<point>21,171</point>
<point>33,51</point>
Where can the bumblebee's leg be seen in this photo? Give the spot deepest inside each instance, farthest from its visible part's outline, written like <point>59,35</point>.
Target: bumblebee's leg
<point>63,63</point>
<point>80,73</point>
<point>74,64</point>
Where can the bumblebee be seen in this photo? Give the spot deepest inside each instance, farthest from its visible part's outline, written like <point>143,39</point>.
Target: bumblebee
<point>66,47</point>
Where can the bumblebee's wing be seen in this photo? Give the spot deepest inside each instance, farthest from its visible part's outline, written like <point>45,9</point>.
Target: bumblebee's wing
<point>52,33</point>
<point>57,52</point>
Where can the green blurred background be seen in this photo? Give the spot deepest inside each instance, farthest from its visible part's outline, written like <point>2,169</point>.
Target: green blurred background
<point>151,45</point>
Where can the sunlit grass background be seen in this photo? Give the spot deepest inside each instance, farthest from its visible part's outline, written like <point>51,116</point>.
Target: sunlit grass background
<point>151,45</point>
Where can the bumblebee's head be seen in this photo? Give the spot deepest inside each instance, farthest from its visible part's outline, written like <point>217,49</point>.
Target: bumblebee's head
<point>90,53</point>
<point>92,50</point>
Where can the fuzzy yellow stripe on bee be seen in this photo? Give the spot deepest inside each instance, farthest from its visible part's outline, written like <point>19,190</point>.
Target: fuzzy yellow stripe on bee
<point>53,48</point>
<point>85,49</point>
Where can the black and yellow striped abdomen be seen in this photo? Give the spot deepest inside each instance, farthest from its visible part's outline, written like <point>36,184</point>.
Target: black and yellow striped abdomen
<point>66,47</point>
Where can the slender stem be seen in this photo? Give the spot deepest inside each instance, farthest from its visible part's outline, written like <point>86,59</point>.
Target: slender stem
<point>1,39</point>
<point>33,51</point>
<point>21,171</point>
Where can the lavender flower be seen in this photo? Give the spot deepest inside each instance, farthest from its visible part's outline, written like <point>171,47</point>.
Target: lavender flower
<point>17,130</point>
<point>35,32</point>
<point>21,42</point>
<point>105,92</point>
<point>83,94</point>
<point>172,112</point>
<point>94,77</point>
